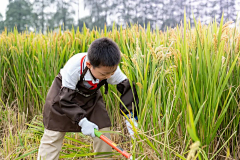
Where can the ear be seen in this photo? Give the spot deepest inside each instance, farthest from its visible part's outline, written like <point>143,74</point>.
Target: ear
<point>88,64</point>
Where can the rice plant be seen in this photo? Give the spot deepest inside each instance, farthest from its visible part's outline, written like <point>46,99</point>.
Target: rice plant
<point>187,80</point>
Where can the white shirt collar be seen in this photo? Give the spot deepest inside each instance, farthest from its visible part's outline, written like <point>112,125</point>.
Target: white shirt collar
<point>88,75</point>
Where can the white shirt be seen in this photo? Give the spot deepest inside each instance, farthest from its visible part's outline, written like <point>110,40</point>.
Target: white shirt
<point>71,73</point>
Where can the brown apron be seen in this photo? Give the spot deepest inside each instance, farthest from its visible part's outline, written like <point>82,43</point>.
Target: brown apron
<point>64,107</point>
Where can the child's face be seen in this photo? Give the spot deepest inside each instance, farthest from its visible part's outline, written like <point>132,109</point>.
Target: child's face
<point>101,72</point>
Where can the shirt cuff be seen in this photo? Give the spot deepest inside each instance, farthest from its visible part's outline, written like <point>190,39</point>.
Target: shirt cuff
<point>132,116</point>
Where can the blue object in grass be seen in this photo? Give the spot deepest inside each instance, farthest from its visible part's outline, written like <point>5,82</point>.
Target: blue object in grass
<point>132,116</point>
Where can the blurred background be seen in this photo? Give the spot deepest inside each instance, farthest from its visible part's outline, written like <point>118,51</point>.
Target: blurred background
<point>43,15</point>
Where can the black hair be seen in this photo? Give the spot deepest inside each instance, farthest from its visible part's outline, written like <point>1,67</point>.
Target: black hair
<point>104,52</point>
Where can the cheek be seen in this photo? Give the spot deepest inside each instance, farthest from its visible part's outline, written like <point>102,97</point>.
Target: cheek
<point>96,74</point>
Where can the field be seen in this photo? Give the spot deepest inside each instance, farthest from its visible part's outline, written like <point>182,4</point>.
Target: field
<point>187,81</point>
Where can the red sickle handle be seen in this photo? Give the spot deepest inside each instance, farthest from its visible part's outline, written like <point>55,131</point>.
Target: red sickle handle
<point>115,146</point>
<point>112,144</point>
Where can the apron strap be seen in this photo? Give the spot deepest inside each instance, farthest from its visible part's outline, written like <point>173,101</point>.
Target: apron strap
<point>106,87</point>
<point>83,74</point>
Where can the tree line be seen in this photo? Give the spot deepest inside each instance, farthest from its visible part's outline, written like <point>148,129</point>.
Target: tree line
<point>43,15</point>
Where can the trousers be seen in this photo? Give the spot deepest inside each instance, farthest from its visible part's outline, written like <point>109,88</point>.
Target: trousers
<point>51,145</point>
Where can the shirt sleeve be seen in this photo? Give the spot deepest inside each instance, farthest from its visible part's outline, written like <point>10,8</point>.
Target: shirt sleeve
<point>70,79</point>
<point>117,77</point>
<point>71,72</point>
<point>129,97</point>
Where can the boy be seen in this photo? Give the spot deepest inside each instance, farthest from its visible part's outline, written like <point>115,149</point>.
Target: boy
<point>74,102</point>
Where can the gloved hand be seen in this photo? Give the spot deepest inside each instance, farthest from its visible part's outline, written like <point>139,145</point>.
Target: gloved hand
<point>129,125</point>
<point>87,127</point>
